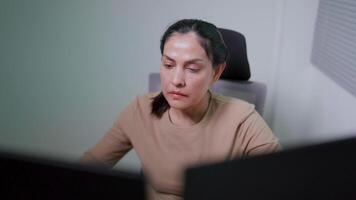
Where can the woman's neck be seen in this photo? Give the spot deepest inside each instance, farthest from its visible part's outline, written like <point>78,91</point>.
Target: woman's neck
<point>191,115</point>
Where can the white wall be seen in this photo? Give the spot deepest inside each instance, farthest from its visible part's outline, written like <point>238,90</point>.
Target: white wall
<point>69,67</point>
<point>308,107</point>
<point>65,75</point>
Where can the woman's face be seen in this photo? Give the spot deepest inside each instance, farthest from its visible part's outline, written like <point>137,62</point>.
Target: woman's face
<point>186,71</point>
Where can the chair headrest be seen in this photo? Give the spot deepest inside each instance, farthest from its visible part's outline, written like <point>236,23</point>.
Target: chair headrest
<point>237,66</point>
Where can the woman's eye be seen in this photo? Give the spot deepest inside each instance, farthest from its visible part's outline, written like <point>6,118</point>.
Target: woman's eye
<point>168,65</point>
<point>192,69</point>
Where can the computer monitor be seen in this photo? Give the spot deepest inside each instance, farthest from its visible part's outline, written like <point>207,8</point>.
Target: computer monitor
<point>323,171</point>
<point>29,177</point>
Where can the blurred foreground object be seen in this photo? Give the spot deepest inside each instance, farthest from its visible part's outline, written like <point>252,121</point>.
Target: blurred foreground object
<point>322,171</point>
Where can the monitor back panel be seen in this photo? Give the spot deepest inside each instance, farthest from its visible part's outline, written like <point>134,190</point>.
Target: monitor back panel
<point>26,177</point>
<point>324,171</point>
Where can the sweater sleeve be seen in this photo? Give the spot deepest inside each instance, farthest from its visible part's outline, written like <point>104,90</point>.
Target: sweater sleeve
<point>254,137</point>
<point>114,144</point>
<point>110,148</point>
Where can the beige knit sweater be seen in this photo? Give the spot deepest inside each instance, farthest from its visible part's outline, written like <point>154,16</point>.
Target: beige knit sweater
<point>231,128</point>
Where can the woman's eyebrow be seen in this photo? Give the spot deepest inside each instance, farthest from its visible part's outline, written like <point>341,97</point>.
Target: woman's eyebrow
<point>194,60</point>
<point>167,57</point>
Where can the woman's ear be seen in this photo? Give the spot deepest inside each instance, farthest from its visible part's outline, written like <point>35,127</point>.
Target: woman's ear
<point>218,71</point>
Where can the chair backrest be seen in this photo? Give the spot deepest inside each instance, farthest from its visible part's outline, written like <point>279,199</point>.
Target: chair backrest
<point>234,81</point>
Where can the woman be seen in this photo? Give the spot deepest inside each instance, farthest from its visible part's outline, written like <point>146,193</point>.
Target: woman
<point>185,124</point>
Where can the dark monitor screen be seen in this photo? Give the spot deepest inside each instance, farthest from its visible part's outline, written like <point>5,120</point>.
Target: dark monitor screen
<point>27,177</point>
<point>323,171</point>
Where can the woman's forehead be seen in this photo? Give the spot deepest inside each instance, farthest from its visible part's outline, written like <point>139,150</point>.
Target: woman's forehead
<point>184,46</point>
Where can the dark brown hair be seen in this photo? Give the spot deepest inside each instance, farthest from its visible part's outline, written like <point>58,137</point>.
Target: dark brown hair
<point>211,41</point>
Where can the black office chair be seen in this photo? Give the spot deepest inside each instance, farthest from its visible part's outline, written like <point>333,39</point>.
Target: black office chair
<point>234,81</point>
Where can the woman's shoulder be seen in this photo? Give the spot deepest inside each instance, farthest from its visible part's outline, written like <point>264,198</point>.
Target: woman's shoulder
<point>232,106</point>
<point>223,100</point>
<point>138,107</point>
<point>143,102</point>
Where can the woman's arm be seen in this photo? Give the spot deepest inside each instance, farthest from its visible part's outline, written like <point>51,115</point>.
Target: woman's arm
<point>110,148</point>
<point>116,142</point>
<point>255,137</point>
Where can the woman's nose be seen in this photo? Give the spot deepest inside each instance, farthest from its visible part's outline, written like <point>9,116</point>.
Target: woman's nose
<point>178,78</point>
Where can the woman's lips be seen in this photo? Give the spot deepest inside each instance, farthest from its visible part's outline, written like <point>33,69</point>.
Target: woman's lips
<point>177,95</point>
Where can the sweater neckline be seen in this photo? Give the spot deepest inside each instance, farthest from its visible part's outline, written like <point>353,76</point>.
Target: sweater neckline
<point>194,126</point>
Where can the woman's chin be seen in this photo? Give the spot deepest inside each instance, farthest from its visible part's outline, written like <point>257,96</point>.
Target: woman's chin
<point>179,105</point>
